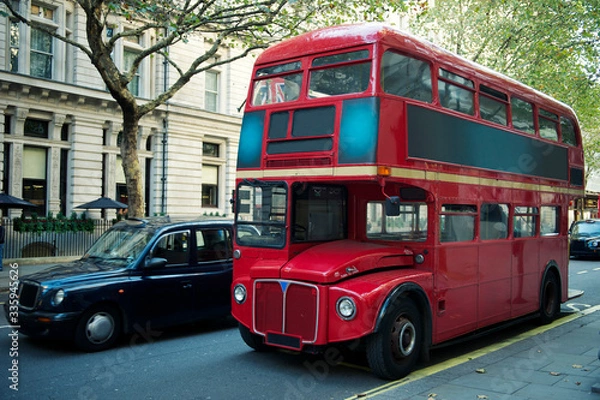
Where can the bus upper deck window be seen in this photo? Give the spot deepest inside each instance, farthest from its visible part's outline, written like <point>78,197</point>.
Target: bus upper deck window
<point>277,84</point>
<point>343,74</point>
<point>522,115</point>
<point>567,131</point>
<point>406,76</point>
<point>493,105</point>
<point>548,124</point>
<point>456,92</point>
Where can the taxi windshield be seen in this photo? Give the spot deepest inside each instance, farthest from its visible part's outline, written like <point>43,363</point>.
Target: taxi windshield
<point>120,245</point>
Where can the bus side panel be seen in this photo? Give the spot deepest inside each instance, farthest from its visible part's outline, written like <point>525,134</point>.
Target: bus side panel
<point>494,282</point>
<point>526,276</point>
<point>456,283</point>
<point>391,148</point>
<point>370,293</point>
<point>555,248</point>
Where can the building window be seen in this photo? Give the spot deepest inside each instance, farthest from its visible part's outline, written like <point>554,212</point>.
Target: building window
<point>121,188</point>
<point>36,128</point>
<point>64,132</point>
<point>7,124</point>
<point>210,185</point>
<point>34,177</point>
<point>41,57</point>
<point>42,12</point>
<point>14,46</point>
<point>129,57</point>
<point>210,149</point>
<point>211,91</point>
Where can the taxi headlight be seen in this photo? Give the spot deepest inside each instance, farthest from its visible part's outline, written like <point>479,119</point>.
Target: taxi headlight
<point>346,308</point>
<point>58,298</point>
<point>239,293</point>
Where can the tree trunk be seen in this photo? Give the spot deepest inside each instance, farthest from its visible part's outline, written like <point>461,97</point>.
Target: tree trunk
<point>131,165</point>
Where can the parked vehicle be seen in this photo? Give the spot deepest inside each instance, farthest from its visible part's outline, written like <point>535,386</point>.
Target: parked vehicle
<point>584,239</point>
<point>139,275</point>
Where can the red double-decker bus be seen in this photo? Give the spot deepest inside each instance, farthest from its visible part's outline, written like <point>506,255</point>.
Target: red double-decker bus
<point>392,192</point>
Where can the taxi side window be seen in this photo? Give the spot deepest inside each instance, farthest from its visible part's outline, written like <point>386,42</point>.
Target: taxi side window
<point>213,244</point>
<point>174,247</point>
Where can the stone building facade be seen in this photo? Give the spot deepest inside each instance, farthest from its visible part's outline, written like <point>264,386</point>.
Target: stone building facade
<point>59,127</point>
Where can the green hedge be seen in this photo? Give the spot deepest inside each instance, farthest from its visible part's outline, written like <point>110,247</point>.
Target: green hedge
<point>52,224</point>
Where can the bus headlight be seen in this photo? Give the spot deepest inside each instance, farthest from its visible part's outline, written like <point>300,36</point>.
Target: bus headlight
<point>239,294</point>
<point>346,308</point>
<point>58,298</point>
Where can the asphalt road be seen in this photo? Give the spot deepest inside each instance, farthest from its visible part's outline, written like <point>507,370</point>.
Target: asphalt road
<point>210,361</point>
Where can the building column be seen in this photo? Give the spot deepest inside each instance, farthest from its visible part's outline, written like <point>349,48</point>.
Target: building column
<point>53,178</point>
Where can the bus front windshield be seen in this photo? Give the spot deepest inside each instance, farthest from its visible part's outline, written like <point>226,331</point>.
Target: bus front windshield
<point>261,214</point>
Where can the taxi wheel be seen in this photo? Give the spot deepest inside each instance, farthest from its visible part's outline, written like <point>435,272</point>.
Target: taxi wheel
<point>98,329</point>
<point>395,348</point>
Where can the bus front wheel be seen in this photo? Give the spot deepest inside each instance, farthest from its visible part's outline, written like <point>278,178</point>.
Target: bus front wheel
<point>394,349</point>
<point>254,341</point>
<point>550,302</point>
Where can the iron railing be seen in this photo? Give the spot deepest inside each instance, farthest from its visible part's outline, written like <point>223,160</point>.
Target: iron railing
<point>50,244</point>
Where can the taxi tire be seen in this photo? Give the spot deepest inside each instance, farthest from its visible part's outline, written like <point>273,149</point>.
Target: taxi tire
<point>98,328</point>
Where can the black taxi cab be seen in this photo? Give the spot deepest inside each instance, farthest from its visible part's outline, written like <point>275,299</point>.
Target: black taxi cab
<point>140,275</point>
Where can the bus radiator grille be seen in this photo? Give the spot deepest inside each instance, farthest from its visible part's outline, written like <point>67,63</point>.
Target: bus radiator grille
<point>289,308</point>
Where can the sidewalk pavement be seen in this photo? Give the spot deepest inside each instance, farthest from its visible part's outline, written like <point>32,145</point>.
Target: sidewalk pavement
<point>556,361</point>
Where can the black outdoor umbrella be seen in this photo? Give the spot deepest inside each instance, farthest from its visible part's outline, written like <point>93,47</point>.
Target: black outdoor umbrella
<point>7,201</point>
<point>103,203</point>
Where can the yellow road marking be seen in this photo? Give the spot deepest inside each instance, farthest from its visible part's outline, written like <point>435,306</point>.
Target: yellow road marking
<point>425,372</point>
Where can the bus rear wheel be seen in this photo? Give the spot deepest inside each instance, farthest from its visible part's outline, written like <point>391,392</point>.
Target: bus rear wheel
<point>394,349</point>
<point>550,301</point>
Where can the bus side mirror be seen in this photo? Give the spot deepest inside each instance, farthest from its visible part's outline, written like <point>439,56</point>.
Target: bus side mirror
<point>392,206</point>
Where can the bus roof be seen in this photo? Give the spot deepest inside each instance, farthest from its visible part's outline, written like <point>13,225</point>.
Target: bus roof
<point>345,36</point>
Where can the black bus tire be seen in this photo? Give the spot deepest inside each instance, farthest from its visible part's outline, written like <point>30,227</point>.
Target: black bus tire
<point>394,349</point>
<point>254,341</point>
<point>550,299</point>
